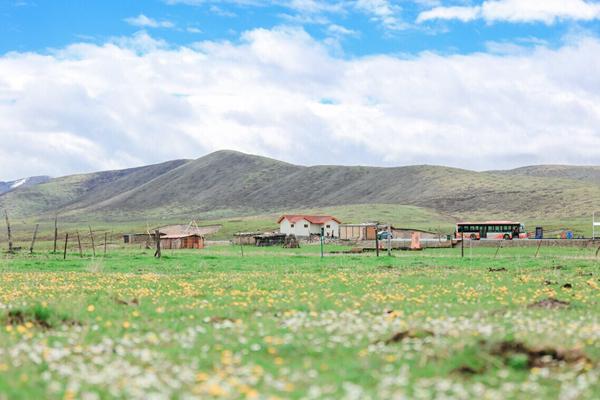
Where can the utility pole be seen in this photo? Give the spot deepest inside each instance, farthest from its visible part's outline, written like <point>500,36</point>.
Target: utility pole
<point>10,243</point>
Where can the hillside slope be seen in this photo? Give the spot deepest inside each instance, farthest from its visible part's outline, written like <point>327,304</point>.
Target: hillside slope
<point>228,183</point>
<point>24,182</point>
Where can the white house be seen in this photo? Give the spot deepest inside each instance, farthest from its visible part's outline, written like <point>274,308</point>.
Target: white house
<point>306,225</point>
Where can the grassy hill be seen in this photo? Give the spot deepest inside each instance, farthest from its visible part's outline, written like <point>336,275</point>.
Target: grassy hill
<point>227,185</point>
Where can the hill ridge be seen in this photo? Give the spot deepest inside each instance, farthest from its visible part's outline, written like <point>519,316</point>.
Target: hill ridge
<point>232,182</point>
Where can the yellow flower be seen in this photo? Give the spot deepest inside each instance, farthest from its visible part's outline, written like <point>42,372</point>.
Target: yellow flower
<point>201,377</point>
<point>91,308</point>
<point>126,324</point>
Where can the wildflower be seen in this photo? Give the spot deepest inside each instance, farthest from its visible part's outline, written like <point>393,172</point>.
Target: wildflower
<point>91,308</point>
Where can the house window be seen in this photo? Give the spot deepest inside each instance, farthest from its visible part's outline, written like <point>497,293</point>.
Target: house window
<point>292,225</point>
<point>306,225</point>
<point>328,226</point>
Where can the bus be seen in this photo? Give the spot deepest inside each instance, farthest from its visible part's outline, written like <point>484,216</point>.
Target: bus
<point>503,230</point>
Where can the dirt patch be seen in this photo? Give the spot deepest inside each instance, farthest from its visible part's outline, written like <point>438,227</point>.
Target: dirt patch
<point>537,357</point>
<point>567,286</point>
<point>550,304</point>
<point>409,334</point>
<point>219,320</point>
<point>468,370</point>
<point>132,302</point>
<point>19,317</point>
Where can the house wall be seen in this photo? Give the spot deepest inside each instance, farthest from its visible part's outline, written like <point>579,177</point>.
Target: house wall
<point>298,228</point>
<point>333,230</point>
<point>303,228</point>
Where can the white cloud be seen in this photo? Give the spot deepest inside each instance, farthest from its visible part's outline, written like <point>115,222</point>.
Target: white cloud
<point>339,31</point>
<point>281,93</point>
<point>383,11</point>
<point>464,14</point>
<point>545,11</point>
<point>143,21</point>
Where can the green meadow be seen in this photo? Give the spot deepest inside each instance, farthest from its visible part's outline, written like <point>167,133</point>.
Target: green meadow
<point>279,323</point>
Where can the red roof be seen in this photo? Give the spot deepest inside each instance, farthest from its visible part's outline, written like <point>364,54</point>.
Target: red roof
<point>313,219</point>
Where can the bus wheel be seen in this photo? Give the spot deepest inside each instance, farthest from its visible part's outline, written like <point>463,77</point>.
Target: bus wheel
<point>473,236</point>
<point>506,236</point>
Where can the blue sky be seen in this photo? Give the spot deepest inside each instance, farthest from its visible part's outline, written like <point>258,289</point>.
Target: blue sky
<point>36,25</point>
<point>478,84</point>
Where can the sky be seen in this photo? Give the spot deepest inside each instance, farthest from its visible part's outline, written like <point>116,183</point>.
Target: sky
<point>477,84</point>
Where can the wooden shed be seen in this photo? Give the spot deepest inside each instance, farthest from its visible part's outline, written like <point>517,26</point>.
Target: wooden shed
<point>186,241</point>
<point>358,231</point>
<point>245,238</point>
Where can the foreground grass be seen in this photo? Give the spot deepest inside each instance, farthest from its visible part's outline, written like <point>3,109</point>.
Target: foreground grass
<point>286,324</point>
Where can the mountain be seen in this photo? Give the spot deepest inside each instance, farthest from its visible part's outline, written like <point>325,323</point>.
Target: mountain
<point>24,182</point>
<point>581,173</point>
<point>233,183</point>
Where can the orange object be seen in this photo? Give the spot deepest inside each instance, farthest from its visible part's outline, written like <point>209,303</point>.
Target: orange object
<point>415,241</point>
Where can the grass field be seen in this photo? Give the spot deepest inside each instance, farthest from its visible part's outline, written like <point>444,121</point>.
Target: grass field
<point>287,324</point>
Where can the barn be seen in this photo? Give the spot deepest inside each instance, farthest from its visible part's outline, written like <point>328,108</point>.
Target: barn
<point>182,241</point>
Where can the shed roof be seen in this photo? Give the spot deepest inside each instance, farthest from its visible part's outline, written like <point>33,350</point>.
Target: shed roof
<point>188,229</point>
<point>180,236</point>
<point>313,219</point>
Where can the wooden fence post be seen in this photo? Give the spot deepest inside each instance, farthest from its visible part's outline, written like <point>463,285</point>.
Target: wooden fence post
<point>55,232</point>
<point>157,238</point>
<point>538,248</point>
<point>377,240</point>
<point>10,243</point>
<point>33,239</point>
<point>93,246</point>
<point>66,241</point>
<point>241,245</point>
<point>498,249</point>
<point>389,240</point>
<point>79,244</point>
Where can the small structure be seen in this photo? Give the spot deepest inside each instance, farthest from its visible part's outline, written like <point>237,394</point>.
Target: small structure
<point>291,242</point>
<point>270,239</point>
<point>139,238</point>
<point>191,228</point>
<point>186,241</point>
<point>245,238</point>
<point>307,225</point>
<point>366,231</point>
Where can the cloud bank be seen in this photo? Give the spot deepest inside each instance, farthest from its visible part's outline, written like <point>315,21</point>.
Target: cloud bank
<point>283,94</point>
<point>545,11</point>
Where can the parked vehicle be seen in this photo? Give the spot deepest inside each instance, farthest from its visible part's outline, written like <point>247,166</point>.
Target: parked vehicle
<point>383,235</point>
<point>506,230</point>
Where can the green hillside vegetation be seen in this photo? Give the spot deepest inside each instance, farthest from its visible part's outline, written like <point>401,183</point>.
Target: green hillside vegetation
<point>246,192</point>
